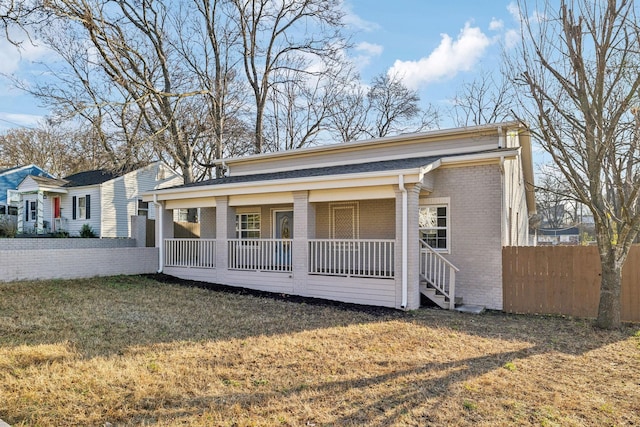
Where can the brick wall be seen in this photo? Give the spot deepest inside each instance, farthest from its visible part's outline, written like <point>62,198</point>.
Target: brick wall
<point>75,263</point>
<point>475,194</point>
<point>377,219</point>
<point>63,243</point>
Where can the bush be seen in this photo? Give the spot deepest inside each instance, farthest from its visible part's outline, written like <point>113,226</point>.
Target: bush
<point>87,231</point>
<point>8,227</point>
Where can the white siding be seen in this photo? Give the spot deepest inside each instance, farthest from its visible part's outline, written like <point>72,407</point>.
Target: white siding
<point>120,197</point>
<point>73,226</point>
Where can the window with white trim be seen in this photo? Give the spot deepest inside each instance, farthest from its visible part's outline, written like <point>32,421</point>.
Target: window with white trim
<point>82,207</point>
<point>434,226</point>
<point>143,208</point>
<point>248,226</point>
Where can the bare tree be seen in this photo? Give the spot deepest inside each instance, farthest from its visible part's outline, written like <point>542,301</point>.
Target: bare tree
<point>207,40</point>
<point>281,38</point>
<point>128,43</point>
<point>20,14</point>
<point>579,68</point>
<point>57,149</point>
<point>482,101</point>
<point>554,199</point>
<point>349,114</point>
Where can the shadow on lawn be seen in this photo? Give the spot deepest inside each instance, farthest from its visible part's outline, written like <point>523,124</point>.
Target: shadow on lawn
<point>547,332</point>
<point>420,389</point>
<point>110,316</point>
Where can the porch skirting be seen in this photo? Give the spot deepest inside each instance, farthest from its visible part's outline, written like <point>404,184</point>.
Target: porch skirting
<point>357,290</point>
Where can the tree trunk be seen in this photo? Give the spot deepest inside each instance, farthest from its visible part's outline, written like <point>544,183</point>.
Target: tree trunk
<point>609,306</point>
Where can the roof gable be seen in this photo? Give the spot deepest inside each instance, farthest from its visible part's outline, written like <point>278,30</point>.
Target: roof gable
<point>12,177</point>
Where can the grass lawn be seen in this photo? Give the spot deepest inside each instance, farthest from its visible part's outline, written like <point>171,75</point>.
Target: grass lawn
<point>134,351</point>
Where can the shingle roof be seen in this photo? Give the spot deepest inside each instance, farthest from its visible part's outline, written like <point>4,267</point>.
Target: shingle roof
<point>94,177</point>
<point>324,171</point>
<point>378,166</point>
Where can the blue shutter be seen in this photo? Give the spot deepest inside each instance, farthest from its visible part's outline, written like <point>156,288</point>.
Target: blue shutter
<point>87,203</point>
<point>26,210</point>
<point>74,207</point>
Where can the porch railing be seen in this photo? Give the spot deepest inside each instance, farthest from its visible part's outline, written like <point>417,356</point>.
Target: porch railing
<point>438,272</point>
<point>361,258</point>
<point>190,253</point>
<point>260,254</point>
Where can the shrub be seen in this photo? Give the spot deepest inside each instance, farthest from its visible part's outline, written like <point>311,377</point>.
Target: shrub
<point>87,231</point>
<point>8,227</point>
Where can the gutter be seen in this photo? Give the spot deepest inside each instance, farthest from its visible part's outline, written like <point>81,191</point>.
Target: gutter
<point>160,237</point>
<point>405,244</point>
<point>503,208</point>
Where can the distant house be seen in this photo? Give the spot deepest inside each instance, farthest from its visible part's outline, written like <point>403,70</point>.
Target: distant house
<point>9,180</point>
<point>558,236</point>
<point>102,199</point>
<point>394,221</point>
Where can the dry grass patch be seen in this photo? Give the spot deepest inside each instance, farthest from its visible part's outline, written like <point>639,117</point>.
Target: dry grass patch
<point>132,351</point>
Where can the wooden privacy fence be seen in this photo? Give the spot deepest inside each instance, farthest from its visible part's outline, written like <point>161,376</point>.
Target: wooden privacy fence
<point>181,230</point>
<point>564,280</point>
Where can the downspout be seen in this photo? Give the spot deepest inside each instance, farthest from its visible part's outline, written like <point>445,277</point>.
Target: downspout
<point>405,243</point>
<point>160,237</point>
<point>503,210</point>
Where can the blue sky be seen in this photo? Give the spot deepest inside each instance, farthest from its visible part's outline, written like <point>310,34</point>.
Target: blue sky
<point>434,45</point>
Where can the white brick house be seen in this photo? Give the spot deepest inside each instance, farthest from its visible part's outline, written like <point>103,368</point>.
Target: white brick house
<point>376,222</point>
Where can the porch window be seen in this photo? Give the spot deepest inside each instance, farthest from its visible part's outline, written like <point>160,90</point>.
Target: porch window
<point>143,208</point>
<point>434,226</point>
<point>248,226</point>
<point>183,215</point>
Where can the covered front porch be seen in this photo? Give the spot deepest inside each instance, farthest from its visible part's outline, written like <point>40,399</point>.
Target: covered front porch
<point>332,245</point>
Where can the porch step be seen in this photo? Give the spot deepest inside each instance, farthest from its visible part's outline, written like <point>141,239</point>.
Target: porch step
<point>431,293</point>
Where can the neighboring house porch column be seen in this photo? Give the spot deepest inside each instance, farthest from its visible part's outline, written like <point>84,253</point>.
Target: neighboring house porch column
<point>20,215</point>
<point>40,213</point>
<point>304,228</point>
<point>225,229</point>
<point>413,248</point>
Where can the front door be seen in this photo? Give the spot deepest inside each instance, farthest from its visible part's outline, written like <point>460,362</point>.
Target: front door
<point>283,229</point>
<point>56,213</point>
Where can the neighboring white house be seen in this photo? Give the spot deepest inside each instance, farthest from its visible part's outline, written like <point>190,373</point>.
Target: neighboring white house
<point>376,222</point>
<point>102,199</point>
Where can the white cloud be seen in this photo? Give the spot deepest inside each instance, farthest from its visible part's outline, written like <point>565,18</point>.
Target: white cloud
<point>496,24</point>
<point>11,56</point>
<point>355,22</point>
<point>370,49</point>
<point>449,58</point>
<point>514,10</point>
<point>23,120</point>
<point>511,38</point>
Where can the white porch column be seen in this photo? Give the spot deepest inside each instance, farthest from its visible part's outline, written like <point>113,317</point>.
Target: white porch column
<point>40,213</point>
<point>225,229</point>
<point>304,228</point>
<point>413,249</point>
<point>20,215</point>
